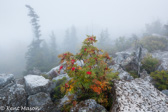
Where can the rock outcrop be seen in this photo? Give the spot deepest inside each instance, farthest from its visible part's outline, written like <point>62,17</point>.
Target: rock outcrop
<point>130,95</point>
<point>165,92</point>
<point>35,84</point>
<point>6,79</point>
<point>41,101</point>
<point>126,57</point>
<point>89,105</point>
<point>56,81</point>
<point>163,56</point>
<point>54,71</point>
<point>122,74</point>
<point>144,75</point>
<point>11,94</point>
<point>138,96</point>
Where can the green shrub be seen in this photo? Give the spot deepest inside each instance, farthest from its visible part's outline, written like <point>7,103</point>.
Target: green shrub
<point>160,79</point>
<point>134,74</point>
<point>45,76</point>
<point>149,63</point>
<point>57,91</point>
<point>152,43</point>
<point>93,79</point>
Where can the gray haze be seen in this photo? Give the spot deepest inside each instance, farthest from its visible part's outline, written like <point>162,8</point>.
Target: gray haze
<point>121,17</point>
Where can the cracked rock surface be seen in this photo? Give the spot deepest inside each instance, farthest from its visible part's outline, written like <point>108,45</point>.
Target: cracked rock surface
<point>138,96</point>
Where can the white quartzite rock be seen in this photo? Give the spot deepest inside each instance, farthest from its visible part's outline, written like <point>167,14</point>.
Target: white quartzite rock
<point>163,56</point>
<point>122,74</point>
<point>144,75</point>
<point>41,101</point>
<point>57,80</point>
<point>5,79</point>
<point>11,94</point>
<point>138,96</point>
<point>35,84</point>
<point>89,105</point>
<point>54,71</point>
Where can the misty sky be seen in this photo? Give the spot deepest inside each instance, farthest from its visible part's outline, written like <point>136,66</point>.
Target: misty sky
<point>121,17</point>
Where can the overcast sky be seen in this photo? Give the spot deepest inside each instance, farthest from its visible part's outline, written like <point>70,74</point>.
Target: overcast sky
<point>121,17</point>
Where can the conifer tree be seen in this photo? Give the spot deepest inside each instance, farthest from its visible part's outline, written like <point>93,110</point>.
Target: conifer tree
<point>34,53</point>
<point>53,50</point>
<point>104,40</point>
<point>70,41</point>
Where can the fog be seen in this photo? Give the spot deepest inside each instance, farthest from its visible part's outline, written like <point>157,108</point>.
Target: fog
<point>120,17</point>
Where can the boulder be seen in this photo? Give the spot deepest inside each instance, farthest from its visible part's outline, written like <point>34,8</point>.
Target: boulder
<point>61,77</point>
<point>64,101</point>
<point>125,75</point>
<point>127,56</point>
<point>163,56</point>
<point>89,105</point>
<point>121,56</point>
<point>56,80</point>
<point>35,84</point>
<point>54,71</point>
<point>127,61</point>
<point>41,101</point>
<point>6,79</point>
<point>13,95</point>
<point>130,59</point>
<point>122,74</point>
<point>164,64</point>
<point>144,75</point>
<point>138,96</point>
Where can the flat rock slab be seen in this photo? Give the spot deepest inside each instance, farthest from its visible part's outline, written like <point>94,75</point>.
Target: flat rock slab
<point>35,84</point>
<point>138,96</point>
<point>5,79</point>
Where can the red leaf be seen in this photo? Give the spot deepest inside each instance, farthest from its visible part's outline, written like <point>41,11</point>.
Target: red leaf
<point>88,72</point>
<point>66,85</point>
<point>61,67</point>
<point>73,68</point>
<point>72,61</point>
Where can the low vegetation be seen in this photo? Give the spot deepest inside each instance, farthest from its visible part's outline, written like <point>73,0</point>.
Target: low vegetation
<point>160,79</point>
<point>149,63</point>
<point>57,91</point>
<point>152,43</point>
<point>93,78</point>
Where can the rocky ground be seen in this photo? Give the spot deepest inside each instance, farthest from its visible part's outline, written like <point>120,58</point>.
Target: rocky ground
<point>33,92</point>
